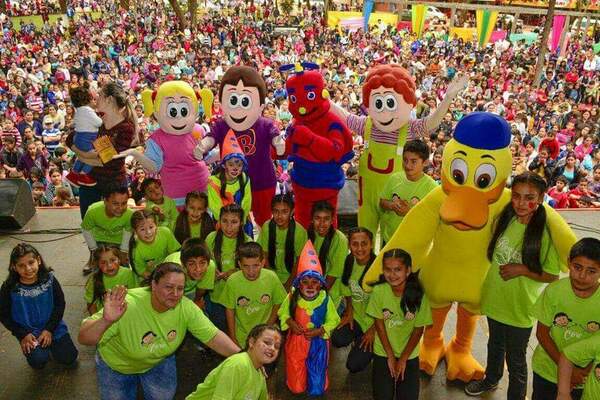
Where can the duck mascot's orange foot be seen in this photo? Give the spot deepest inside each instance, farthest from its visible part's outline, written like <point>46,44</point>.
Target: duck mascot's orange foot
<point>448,232</point>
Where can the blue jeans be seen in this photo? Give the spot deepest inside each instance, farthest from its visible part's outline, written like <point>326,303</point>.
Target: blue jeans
<point>159,383</point>
<point>63,351</point>
<point>84,142</point>
<point>216,313</point>
<point>87,197</point>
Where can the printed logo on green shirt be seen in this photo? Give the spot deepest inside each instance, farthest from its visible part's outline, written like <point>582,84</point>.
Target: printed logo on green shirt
<point>172,335</point>
<point>148,338</point>
<point>597,372</point>
<point>358,294</point>
<point>592,326</point>
<point>571,330</point>
<point>265,298</point>
<point>246,304</point>
<point>505,253</point>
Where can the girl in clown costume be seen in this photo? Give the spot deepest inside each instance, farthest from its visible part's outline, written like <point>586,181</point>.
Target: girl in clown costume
<point>231,184</point>
<point>310,316</point>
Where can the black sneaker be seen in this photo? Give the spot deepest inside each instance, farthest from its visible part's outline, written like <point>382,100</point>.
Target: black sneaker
<point>476,388</point>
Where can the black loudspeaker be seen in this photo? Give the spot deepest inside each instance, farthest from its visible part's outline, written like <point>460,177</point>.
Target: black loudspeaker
<point>16,204</point>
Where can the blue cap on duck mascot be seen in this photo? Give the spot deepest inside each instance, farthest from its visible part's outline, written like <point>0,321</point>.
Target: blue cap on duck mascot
<point>483,130</point>
<point>309,266</point>
<point>475,166</point>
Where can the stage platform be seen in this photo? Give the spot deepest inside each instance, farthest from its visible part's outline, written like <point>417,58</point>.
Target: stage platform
<point>18,381</point>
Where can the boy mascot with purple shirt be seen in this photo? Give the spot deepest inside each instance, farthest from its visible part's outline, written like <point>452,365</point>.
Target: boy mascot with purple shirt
<point>242,95</point>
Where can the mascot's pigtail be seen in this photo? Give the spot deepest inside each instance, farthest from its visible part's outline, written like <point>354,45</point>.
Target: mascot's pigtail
<point>206,97</point>
<point>148,101</point>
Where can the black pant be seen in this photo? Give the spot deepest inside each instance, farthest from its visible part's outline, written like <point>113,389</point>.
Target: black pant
<point>510,342</point>
<point>63,351</point>
<point>544,389</point>
<point>358,359</point>
<point>384,386</point>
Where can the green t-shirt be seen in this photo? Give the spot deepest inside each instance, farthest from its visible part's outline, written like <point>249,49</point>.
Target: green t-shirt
<point>142,337</point>
<point>195,230</point>
<point>227,259</point>
<point>146,256</point>
<point>510,302</point>
<point>207,282</point>
<point>335,261</point>
<point>332,319</point>
<point>252,301</point>
<point>567,316</point>
<point>124,276</point>
<point>581,354</point>
<point>103,228</point>
<point>300,239</point>
<point>168,209</point>
<point>236,378</point>
<point>360,298</point>
<point>214,196</point>
<point>385,305</point>
<point>399,186</point>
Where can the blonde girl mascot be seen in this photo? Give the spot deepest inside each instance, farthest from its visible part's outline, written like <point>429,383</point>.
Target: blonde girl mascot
<point>170,149</point>
<point>448,232</point>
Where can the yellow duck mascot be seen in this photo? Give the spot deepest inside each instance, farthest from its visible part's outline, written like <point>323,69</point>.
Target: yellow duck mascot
<point>448,232</point>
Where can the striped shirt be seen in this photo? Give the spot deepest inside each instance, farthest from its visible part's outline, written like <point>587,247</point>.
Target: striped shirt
<point>417,128</point>
<point>12,132</point>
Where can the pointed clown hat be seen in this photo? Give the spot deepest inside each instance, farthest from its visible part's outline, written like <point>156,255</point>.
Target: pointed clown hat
<point>309,265</point>
<point>231,149</point>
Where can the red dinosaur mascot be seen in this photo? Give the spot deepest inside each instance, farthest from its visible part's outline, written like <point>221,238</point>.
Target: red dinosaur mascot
<point>318,142</point>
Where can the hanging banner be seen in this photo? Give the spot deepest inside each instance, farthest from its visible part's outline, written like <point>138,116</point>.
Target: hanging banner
<point>418,19</point>
<point>486,22</point>
<point>367,10</point>
<point>558,25</point>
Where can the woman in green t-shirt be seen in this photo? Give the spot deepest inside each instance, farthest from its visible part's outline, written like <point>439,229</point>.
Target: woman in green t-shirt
<point>282,238</point>
<point>109,273</point>
<point>241,377</point>
<point>356,327</point>
<point>138,332</point>
<point>401,312</point>
<point>522,260</point>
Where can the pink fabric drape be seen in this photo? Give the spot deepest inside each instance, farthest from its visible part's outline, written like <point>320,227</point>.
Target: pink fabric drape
<point>557,28</point>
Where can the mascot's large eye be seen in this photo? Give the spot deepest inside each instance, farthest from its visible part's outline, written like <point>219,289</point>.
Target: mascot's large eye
<point>293,98</point>
<point>390,102</point>
<point>311,95</point>
<point>245,101</point>
<point>184,110</point>
<point>459,170</point>
<point>378,103</point>
<point>234,101</point>
<point>172,110</point>
<point>485,175</point>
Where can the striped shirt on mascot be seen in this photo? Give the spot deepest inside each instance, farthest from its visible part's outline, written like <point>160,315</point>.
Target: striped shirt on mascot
<point>170,148</point>
<point>318,141</point>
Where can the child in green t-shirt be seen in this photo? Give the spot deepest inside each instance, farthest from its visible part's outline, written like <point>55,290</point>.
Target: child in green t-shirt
<point>401,312</point>
<point>523,258</point>
<point>194,220</point>
<point>282,239</point>
<point>567,311</point>
<point>163,206</point>
<point>403,190</point>
<point>356,327</point>
<point>223,244</point>
<point>330,243</point>
<point>241,375</point>
<point>586,355</point>
<point>108,221</point>
<point>251,296</point>
<point>108,274</point>
<point>199,269</point>
<point>150,243</point>
<point>231,184</point>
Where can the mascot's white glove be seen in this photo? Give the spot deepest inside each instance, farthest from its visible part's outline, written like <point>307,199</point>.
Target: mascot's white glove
<point>279,143</point>
<point>203,147</point>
